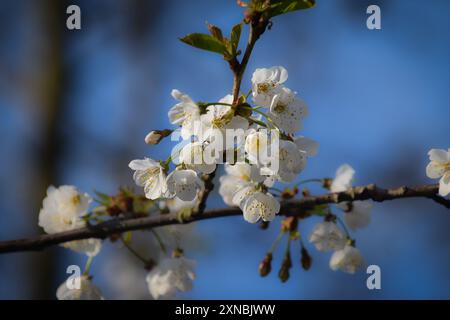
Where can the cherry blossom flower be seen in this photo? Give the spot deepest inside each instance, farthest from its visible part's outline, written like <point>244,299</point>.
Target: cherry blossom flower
<point>291,161</point>
<point>184,184</point>
<point>327,236</point>
<point>348,259</point>
<point>287,111</point>
<point>356,213</point>
<point>63,209</point>
<point>343,179</point>
<point>257,146</point>
<point>439,167</point>
<point>260,206</point>
<point>309,146</point>
<point>194,156</point>
<point>218,119</point>
<point>150,175</point>
<point>169,276</point>
<point>86,291</point>
<point>266,82</point>
<point>185,114</point>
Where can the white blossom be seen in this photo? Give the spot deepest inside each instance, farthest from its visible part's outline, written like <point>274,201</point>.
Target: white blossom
<point>186,114</point>
<point>291,161</point>
<point>86,291</point>
<point>309,146</point>
<point>150,175</point>
<point>184,184</point>
<point>439,167</point>
<point>327,236</point>
<point>287,111</point>
<point>238,176</point>
<point>356,213</point>
<point>266,82</point>
<point>63,209</point>
<point>260,205</point>
<point>218,119</point>
<point>195,157</point>
<point>348,259</point>
<point>242,194</point>
<point>229,185</point>
<point>343,179</point>
<point>257,146</point>
<point>169,276</point>
<point>176,205</point>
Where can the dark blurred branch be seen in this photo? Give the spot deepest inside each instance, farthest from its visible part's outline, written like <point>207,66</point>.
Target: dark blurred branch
<point>300,208</point>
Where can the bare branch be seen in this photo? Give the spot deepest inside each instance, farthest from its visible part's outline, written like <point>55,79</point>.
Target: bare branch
<point>300,208</point>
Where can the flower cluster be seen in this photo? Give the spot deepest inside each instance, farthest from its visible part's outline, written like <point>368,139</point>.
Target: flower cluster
<point>257,143</point>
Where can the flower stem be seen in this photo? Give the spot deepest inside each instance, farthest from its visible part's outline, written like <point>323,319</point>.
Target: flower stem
<point>217,103</point>
<point>343,226</point>
<point>88,265</point>
<point>158,238</point>
<point>134,252</point>
<point>274,245</point>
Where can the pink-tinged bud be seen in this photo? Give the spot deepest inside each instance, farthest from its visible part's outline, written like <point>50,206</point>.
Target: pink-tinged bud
<point>155,136</point>
<point>266,265</point>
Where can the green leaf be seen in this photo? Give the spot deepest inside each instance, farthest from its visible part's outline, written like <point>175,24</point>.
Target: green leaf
<point>215,32</point>
<point>235,37</point>
<point>204,42</point>
<point>285,6</point>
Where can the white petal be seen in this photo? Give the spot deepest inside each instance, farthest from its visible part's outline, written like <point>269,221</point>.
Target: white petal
<point>344,178</point>
<point>142,164</point>
<point>444,185</point>
<point>439,155</point>
<point>435,170</point>
<point>308,145</point>
<point>359,216</point>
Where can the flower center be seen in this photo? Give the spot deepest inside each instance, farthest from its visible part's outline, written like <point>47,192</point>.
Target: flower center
<point>280,108</point>
<point>76,200</point>
<point>265,86</point>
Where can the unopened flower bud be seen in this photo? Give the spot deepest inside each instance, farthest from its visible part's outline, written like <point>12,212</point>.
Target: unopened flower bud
<point>306,192</point>
<point>155,136</point>
<point>266,265</point>
<point>283,274</point>
<point>287,194</point>
<point>326,183</point>
<point>264,225</point>
<point>306,259</point>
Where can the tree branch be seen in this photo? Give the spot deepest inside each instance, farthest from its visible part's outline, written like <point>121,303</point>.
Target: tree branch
<point>299,208</point>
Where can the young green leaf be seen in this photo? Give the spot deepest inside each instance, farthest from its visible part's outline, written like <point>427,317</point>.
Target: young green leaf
<point>284,6</point>
<point>235,37</point>
<point>215,32</point>
<point>204,42</point>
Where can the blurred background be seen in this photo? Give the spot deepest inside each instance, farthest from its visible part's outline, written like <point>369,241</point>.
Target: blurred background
<point>75,107</point>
